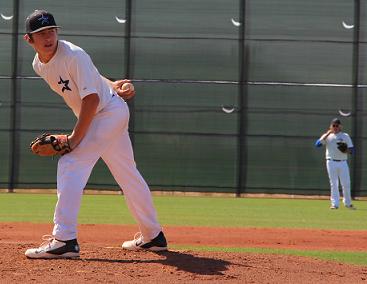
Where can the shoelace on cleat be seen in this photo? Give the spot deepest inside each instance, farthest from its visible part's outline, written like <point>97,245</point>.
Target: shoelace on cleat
<point>47,240</point>
<point>138,239</point>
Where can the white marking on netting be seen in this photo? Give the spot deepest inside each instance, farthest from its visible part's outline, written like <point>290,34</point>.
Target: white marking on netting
<point>346,26</point>
<point>120,21</point>
<point>235,23</point>
<point>342,113</point>
<point>6,18</point>
<point>228,110</point>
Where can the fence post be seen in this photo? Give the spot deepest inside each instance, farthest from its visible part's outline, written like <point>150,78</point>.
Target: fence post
<point>242,104</point>
<point>14,115</point>
<point>128,60</point>
<point>357,103</point>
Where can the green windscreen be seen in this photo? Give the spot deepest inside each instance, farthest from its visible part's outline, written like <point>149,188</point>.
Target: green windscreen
<point>231,95</point>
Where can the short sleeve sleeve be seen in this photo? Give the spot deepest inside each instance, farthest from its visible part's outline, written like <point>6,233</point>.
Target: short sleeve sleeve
<point>35,65</point>
<point>349,141</point>
<point>84,74</point>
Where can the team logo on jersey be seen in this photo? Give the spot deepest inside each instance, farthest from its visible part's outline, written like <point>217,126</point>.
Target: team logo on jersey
<point>65,83</point>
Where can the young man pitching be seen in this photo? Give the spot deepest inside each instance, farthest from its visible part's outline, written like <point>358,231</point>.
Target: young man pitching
<point>101,131</point>
<point>338,146</point>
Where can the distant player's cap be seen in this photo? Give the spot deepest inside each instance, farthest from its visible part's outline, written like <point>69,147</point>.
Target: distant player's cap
<point>336,121</point>
<point>39,20</point>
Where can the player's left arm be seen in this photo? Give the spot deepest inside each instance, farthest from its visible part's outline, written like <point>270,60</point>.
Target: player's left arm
<point>116,86</point>
<point>86,115</point>
<point>350,145</point>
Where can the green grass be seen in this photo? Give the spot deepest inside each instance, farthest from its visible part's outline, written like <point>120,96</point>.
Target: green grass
<point>193,211</point>
<point>358,258</point>
<point>205,211</point>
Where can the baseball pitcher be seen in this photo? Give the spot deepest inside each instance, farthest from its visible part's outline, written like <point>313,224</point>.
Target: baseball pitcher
<point>101,131</point>
<point>338,146</point>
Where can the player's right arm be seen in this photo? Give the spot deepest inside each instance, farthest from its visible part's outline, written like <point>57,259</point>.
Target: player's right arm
<point>116,86</point>
<point>321,141</point>
<point>86,115</point>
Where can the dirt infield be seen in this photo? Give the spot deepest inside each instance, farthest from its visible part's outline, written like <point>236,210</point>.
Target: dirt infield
<point>102,259</point>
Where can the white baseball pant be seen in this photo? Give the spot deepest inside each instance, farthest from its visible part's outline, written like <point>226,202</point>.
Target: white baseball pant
<point>108,138</point>
<point>339,170</point>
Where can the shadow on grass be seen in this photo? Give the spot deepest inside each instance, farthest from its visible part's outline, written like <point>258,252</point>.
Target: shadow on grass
<point>180,260</point>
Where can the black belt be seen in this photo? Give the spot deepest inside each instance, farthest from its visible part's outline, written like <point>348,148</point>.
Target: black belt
<point>336,160</point>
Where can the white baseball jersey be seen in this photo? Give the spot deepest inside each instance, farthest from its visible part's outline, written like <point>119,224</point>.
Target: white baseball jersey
<point>72,74</point>
<point>332,151</point>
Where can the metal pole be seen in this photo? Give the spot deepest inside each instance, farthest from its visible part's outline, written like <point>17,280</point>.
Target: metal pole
<point>242,104</point>
<point>128,14</point>
<point>128,71</point>
<point>357,104</point>
<point>14,116</point>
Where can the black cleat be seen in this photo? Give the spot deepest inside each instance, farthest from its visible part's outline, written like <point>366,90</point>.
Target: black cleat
<point>52,248</point>
<point>159,243</point>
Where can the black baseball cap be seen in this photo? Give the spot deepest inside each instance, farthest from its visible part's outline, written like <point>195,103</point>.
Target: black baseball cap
<point>336,121</point>
<point>39,20</point>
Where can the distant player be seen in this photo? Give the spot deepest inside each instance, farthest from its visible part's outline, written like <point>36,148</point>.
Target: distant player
<point>101,131</point>
<point>338,146</point>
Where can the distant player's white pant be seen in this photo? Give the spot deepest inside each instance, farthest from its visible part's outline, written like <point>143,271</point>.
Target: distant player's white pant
<point>339,171</point>
<point>108,138</point>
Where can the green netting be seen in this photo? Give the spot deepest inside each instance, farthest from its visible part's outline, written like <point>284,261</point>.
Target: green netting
<point>4,132</point>
<point>363,11</point>
<point>185,109</point>
<point>4,157</point>
<point>5,52</point>
<point>295,111</point>
<point>6,8</point>
<point>363,64</point>
<point>269,166</point>
<point>194,127</point>
<point>81,17</point>
<point>198,59</point>
<point>187,161</point>
<point>189,19</point>
<point>311,62</point>
<point>299,20</point>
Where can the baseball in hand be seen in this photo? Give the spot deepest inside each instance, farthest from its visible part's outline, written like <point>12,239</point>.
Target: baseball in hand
<point>128,87</point>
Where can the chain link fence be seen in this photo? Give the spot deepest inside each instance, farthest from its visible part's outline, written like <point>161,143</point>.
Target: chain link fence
<point>231,95</point>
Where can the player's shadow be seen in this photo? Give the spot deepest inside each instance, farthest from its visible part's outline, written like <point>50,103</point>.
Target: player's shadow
<point>180,260</point>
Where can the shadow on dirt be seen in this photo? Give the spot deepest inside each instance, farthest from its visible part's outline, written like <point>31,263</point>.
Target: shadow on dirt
<point>181,260</point>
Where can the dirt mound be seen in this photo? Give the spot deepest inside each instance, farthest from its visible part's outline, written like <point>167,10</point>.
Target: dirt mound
<point>103,260</point>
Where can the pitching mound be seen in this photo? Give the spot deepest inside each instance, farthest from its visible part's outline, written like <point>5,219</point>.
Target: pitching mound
<point>102,259</point>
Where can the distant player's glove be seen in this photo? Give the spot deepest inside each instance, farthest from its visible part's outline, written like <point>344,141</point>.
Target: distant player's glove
<point>343,147</point>
<point>50,145</point>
